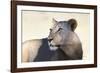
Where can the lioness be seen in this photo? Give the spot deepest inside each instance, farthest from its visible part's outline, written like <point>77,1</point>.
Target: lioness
<point>65,40</point>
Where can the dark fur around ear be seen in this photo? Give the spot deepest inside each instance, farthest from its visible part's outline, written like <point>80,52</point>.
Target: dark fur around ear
<point>73,24</point>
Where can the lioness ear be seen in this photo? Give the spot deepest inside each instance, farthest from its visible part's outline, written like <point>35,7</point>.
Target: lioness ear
<point>54,21</point>
<point>73,24</point>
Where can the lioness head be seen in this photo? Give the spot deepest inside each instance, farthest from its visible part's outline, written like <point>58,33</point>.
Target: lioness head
<point>60,31</point>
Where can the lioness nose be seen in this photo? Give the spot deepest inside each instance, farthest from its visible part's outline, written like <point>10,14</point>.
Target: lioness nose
<point>50,40</point>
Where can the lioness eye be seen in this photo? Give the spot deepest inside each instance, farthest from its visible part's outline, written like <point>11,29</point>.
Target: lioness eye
<point>59,29</point>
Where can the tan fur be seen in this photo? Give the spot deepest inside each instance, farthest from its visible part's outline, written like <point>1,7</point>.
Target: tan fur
<point>30,49</point>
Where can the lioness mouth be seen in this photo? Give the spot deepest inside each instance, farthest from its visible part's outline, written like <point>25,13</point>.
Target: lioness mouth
<point>54,45</point>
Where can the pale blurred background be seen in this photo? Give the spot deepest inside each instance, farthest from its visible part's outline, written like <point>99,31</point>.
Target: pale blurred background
<point>36,25</point>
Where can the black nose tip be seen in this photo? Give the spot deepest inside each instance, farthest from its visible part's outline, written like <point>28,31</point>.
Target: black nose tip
<point>50,40</point>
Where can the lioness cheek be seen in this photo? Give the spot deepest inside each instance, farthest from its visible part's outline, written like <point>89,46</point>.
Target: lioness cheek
<point>58,39</point>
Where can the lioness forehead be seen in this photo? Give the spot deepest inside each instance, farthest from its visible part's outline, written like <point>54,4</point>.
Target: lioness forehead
<point>62,23</point>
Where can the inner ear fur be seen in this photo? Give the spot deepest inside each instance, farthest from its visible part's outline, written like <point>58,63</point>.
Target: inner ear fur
<point>54,21</point>
<point>73,24</point>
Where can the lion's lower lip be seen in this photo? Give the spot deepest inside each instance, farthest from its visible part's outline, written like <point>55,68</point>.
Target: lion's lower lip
<point>52,45</point>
